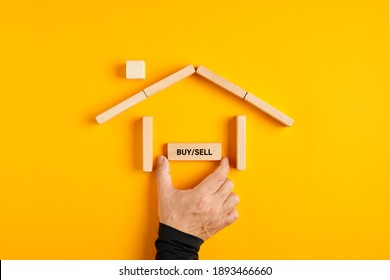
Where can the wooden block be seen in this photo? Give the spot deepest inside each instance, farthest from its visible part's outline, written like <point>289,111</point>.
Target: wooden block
<point>170,80</point>
<point>241,142</point>
<point>194,151</point>
<point>119,108</point>
<point>268,109</point>
<point>147,143</point>
<point>135,69</point>
<point>222,82</point>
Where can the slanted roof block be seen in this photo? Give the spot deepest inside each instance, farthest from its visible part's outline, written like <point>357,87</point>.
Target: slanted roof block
<point>222,82</point>
<point>170,80</point>
<point>268,109</point>
<point>207,74</point>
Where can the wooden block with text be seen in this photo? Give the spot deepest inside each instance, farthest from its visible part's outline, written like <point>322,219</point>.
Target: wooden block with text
<point>194,151</point>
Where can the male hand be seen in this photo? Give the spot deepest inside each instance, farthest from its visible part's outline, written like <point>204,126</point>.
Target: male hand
<point>201,211</point>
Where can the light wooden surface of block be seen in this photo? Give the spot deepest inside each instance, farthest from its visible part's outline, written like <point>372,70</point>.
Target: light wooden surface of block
<point>194,151</point>
<point>135,69</point>
<point>268,109</point>
<point>220,81</point>
<point>119,108</point>
<point>170,80</point>
<point>147,143</point>
<point>241,142</point>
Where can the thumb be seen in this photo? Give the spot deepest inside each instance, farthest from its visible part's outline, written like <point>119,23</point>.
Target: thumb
<point>163,177</point>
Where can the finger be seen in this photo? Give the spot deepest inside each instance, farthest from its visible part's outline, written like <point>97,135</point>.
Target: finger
<point>224,191</point>
<point>230,203</point>
<point>163,177</point>
<point>214,181</point>
<point>231,217</point>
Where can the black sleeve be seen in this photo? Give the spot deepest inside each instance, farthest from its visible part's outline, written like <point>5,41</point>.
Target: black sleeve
<point>173,244</point>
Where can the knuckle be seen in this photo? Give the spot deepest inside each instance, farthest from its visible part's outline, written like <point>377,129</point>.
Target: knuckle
<point>219,177</point>
<point>212,211</point>
<point>229,183</point>
<point>231,218</point>
<point>235,214</point>
<point>200,201</point>
<point>234,218</point>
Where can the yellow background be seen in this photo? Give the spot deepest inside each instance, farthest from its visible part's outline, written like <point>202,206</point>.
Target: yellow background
<point>73,189</point>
